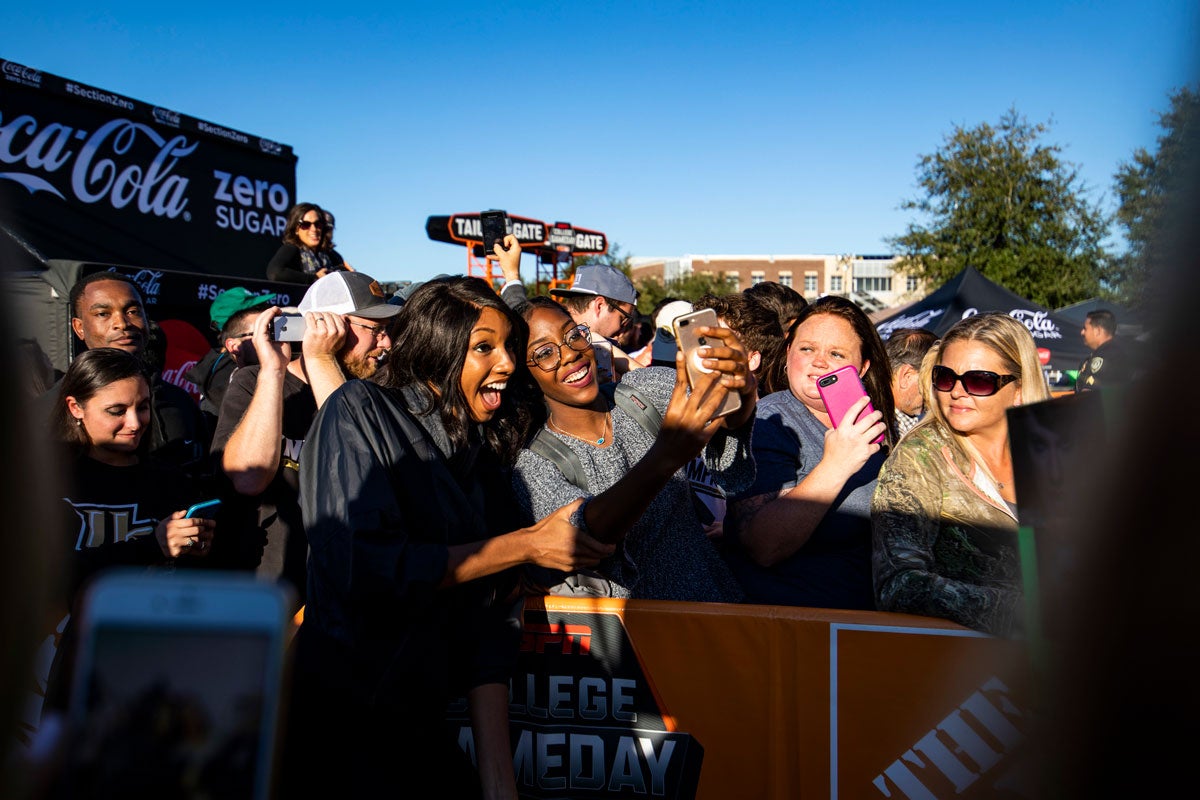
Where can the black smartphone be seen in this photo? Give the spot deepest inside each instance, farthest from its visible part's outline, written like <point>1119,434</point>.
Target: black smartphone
<point>493,225</point>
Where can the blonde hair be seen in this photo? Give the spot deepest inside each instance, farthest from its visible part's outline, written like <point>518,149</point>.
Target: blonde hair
<point>1003,335</point>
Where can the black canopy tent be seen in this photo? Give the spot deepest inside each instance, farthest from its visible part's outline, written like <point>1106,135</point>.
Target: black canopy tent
<point>969,293</point>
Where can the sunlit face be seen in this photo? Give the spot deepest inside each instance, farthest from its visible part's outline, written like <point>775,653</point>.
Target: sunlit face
<point>822,343</point>
<point>1093,335</point>
<point>311,237</point>
<point>111,315</point>
<point>366,346</point>
<point>967,413</point>
<point>115,417</point>
<point>488,365</point>
<point>574,381</point>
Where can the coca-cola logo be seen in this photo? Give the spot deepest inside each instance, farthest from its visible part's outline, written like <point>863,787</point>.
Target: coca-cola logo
<point>1039,323</point>
<point>149,283</point>
<point>166,116</point>
<point>19,72</point>
<point>104,168</point>
<point>922,320</point>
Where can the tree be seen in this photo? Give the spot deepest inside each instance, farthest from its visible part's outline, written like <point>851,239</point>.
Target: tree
<point>1147,187</point>
<point>690,287</point>
<point>1002,201</point>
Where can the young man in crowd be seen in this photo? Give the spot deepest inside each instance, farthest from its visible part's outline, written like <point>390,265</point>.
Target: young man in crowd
<point>269,406</point>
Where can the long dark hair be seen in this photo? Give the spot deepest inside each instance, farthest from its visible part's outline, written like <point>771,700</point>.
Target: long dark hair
<point>90,372</point>
<point>878,378</point>
<point>293,221</point>
<point>433,333</point>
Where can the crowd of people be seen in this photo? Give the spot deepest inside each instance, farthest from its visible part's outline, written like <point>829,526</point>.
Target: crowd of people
<point>415,465</point>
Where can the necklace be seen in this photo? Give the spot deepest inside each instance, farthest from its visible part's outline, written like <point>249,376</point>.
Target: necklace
<point>588,439</point>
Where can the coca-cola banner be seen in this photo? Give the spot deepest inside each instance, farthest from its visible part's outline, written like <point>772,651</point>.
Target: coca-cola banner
<point>970,293</point>
<point>91,175</point>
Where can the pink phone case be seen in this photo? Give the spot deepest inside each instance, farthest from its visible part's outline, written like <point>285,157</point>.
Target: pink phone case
<point>839,390</point>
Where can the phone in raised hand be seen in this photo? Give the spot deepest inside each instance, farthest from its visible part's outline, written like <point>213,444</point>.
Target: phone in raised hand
<point>839,390</point>
<point>689,341</point>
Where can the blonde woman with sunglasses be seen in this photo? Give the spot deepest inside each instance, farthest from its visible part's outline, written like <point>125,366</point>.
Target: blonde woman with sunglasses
<point>944,513</point>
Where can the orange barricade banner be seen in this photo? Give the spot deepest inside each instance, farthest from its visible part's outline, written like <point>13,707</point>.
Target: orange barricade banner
<point>657,699</point>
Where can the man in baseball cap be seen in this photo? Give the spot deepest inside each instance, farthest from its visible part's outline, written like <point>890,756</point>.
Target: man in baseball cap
<point>603,298</point>
<point>269,407</point>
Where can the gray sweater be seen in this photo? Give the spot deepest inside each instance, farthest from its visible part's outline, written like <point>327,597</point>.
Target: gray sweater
<point>665,555</point>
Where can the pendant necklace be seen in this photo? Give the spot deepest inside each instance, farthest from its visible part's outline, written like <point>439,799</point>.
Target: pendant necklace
<point>589,440</point>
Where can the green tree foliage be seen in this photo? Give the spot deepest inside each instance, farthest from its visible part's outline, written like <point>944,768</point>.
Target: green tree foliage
<point>691,287</point>
<point>1147,187</point>
<point>1002,201</point>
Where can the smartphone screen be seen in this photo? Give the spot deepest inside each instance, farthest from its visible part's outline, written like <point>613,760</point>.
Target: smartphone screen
<point>689,341</point>
<point>178,689</point>
<point>494,227</point>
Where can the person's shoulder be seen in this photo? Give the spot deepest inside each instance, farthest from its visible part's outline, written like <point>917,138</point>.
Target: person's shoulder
<point>166,391</point>
<point>774,403</point>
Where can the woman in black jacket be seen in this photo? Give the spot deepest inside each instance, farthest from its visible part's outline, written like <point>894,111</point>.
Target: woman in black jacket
<point>414,537</point>
<point>307,251</point>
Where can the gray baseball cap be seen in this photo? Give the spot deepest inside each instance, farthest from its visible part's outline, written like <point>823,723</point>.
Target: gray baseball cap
<point>345,292</point>
<point>602,280</point>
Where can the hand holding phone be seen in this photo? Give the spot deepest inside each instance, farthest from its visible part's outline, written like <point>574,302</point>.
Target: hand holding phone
<point>493,225</point>
<point>839,390</point>
<point>689,341</point>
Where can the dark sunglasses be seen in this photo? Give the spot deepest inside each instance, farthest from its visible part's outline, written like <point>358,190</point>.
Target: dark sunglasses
<point>977,382</point>
<point>306,224</point>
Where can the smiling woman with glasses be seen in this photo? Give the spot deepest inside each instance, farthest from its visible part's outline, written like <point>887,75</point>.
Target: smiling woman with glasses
<point>307,251</point>
<point>944,514</point>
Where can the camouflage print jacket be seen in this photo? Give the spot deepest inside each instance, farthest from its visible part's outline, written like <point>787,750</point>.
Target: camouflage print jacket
<point>940,546</point>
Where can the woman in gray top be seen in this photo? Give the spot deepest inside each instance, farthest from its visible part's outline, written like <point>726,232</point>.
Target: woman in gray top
<point>801,535</point>
<point>638,489</point>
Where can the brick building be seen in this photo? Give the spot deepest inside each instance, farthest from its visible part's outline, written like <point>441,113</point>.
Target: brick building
<point>871,281</point>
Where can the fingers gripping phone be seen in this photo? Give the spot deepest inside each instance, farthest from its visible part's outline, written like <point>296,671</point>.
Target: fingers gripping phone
<point>493,225</point>
<point>689,342</point>
<point>839,390</point>
<point>288,328</point>
<point>177,686</point>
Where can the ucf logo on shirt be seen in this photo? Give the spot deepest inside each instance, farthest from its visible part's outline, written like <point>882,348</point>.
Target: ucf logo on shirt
<point>101,524</point>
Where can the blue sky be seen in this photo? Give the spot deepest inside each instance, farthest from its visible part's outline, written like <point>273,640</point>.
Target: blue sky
<point>674,128</point>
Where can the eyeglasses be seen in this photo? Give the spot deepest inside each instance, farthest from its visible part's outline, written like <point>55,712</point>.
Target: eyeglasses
<point>626,317</point>
<point>977,382</point>
<point>376,330</point>
<point>547,357</point>
<point>305,224</point>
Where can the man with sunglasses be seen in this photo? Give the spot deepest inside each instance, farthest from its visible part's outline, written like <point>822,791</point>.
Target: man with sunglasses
<point>269,407</point>
<point>603,298</point>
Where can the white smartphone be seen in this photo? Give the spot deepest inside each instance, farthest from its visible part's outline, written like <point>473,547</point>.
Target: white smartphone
<point>288,328</point>
<point>689,341</point>
<point>178,685</point>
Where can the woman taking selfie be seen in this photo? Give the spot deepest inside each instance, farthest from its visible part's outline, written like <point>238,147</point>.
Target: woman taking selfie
<point>407,502</point>
<point>944,513</point>
<point>637,493</point>
<point>307,251</point>
<point>801,535</point>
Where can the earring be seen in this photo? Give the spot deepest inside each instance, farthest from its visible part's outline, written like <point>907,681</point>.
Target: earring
<point>78,422</point>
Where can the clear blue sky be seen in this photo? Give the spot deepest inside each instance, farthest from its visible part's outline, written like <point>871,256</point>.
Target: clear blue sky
<point>674,128</point>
